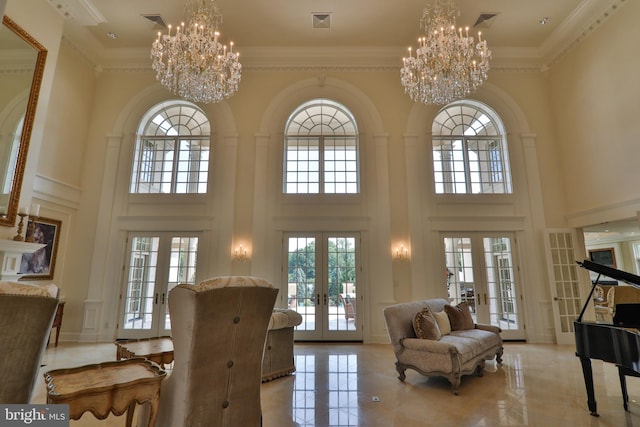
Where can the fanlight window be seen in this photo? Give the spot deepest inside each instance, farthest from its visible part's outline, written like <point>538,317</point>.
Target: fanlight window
<point>469,151</point>
<point>321,150</point>
<point>172,151</point>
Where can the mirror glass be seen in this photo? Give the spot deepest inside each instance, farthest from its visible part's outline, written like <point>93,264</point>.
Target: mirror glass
<point>22,61</point>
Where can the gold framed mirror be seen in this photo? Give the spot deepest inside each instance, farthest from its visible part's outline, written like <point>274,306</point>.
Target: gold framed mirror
<point>22,60</point>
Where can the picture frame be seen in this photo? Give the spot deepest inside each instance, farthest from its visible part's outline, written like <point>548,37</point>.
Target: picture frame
<point>41,264</point>
<point>604,256</point>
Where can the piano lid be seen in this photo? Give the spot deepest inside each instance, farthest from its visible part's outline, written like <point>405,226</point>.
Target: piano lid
<point>610,272</point>
<point>603,270</point>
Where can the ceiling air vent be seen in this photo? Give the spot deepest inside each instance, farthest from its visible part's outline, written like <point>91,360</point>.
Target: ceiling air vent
<point>485,20</point>
<point>321,20</point>
<point>157,20</point>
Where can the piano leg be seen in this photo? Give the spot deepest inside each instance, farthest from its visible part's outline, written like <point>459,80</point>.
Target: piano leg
<point>588,381</point>
<point>623,387</point>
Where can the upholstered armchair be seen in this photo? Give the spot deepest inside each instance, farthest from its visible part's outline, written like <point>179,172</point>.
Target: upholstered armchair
<point>219,328</point>
<point>26,315</point>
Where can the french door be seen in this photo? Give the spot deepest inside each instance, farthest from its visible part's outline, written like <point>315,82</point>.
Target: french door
<point>481,269</point>
<point>564,282</point>
<point>322,273</point>
<point>156,263</point>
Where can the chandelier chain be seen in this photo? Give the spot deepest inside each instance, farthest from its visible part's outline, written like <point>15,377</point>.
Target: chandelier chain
<point>192,62</point>
<point>448,63</point>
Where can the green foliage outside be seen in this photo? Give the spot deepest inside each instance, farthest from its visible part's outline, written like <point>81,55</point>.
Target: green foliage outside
<point>341,269</point>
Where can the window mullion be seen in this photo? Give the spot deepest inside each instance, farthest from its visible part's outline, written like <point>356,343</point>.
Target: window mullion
<point>174,171</point>
<point>467,165</point>
<point>321,167</point>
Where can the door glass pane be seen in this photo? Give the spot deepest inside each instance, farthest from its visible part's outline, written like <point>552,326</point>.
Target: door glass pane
<point>139,302</point>
<point>500,282</point>
<point>182,267</point>
<point>301,273</point>
<point>459,274</point>
<point>341,273</point>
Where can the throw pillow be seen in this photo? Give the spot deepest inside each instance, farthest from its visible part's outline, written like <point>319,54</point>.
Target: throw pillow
<point>425,325</point>
<point>443,322</point>
<point>459,316</point>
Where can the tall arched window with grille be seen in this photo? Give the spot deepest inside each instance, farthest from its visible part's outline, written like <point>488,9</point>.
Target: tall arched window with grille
<point>321,150</point>
<point>172,150</point>
<point>470,153</point>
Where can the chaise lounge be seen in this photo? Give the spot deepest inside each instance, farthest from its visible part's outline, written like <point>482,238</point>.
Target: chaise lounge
<point>437,339</point>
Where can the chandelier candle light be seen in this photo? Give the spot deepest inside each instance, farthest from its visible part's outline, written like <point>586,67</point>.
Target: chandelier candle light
<point>191,62</point>
<point>448,64</point>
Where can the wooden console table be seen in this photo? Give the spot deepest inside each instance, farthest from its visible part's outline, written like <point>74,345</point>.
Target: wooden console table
<point>158,350</point>
<point>107,387</point>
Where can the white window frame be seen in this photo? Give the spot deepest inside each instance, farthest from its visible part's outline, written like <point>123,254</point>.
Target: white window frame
<point>173,151</point>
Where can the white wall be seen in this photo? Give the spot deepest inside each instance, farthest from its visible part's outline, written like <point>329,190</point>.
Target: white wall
<point>552,135</point>
<point>595,97</point>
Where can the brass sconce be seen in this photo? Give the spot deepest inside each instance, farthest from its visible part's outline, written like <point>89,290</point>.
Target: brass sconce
<point>240,254</point>
<point>401,254</point>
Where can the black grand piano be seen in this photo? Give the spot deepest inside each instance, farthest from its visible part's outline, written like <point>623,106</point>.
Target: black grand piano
<point>617,342</point>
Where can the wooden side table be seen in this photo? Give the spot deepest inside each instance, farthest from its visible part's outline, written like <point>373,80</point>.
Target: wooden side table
<point>158,350</point>
<point>107,387</point>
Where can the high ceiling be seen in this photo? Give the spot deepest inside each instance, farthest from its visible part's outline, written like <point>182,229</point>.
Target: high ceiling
<point>256,26</point>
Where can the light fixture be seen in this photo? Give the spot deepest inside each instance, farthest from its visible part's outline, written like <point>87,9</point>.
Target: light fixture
<point>448,64</point>
<point>191,62</point>
<point>401,253</point>
<point>240,254</point>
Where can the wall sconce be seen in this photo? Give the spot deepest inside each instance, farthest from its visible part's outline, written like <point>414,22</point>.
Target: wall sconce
<point>401,253</point>
<point>240,254</point>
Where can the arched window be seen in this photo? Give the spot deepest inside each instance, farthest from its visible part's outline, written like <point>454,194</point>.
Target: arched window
<point>172,150</point>
<point>470,153</point>
<point>321,150</point>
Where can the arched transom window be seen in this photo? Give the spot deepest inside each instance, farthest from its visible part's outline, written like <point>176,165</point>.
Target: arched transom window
<point>470,151</point>
<point>321,150</point>
<point>172,150</point>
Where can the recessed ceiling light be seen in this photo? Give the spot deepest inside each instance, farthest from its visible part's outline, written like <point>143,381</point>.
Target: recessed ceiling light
<point>112,35</point>
<point>545,20</point>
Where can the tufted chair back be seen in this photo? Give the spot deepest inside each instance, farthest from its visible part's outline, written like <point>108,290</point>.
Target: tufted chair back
<point>26,315</point>
<point>219,328</point>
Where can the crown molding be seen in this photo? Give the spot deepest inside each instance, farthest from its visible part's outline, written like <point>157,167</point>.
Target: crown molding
<point>586,18</point>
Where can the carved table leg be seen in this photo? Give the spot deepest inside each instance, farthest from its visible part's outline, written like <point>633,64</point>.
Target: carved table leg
<point>132,408</point>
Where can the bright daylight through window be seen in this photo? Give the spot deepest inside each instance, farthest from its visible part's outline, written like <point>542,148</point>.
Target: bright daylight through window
<point>172,151</point>
<point>469,151</point>
<point>321,150</point>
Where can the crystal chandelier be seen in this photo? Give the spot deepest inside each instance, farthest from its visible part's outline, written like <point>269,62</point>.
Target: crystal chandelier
<point>447,64</point>
<point>192,63</point>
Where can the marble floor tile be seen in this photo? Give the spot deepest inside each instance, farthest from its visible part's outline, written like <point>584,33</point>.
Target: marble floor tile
<point>356,385</point>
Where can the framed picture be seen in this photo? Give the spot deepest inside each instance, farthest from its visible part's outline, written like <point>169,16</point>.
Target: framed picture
<point>604,256</point>
<point>40,264</point>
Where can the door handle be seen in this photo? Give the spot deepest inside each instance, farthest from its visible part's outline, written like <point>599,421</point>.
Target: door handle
<point>163,298</point>
<point>325,299</point>
<point>156,298</point>
<point>317,299</point>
